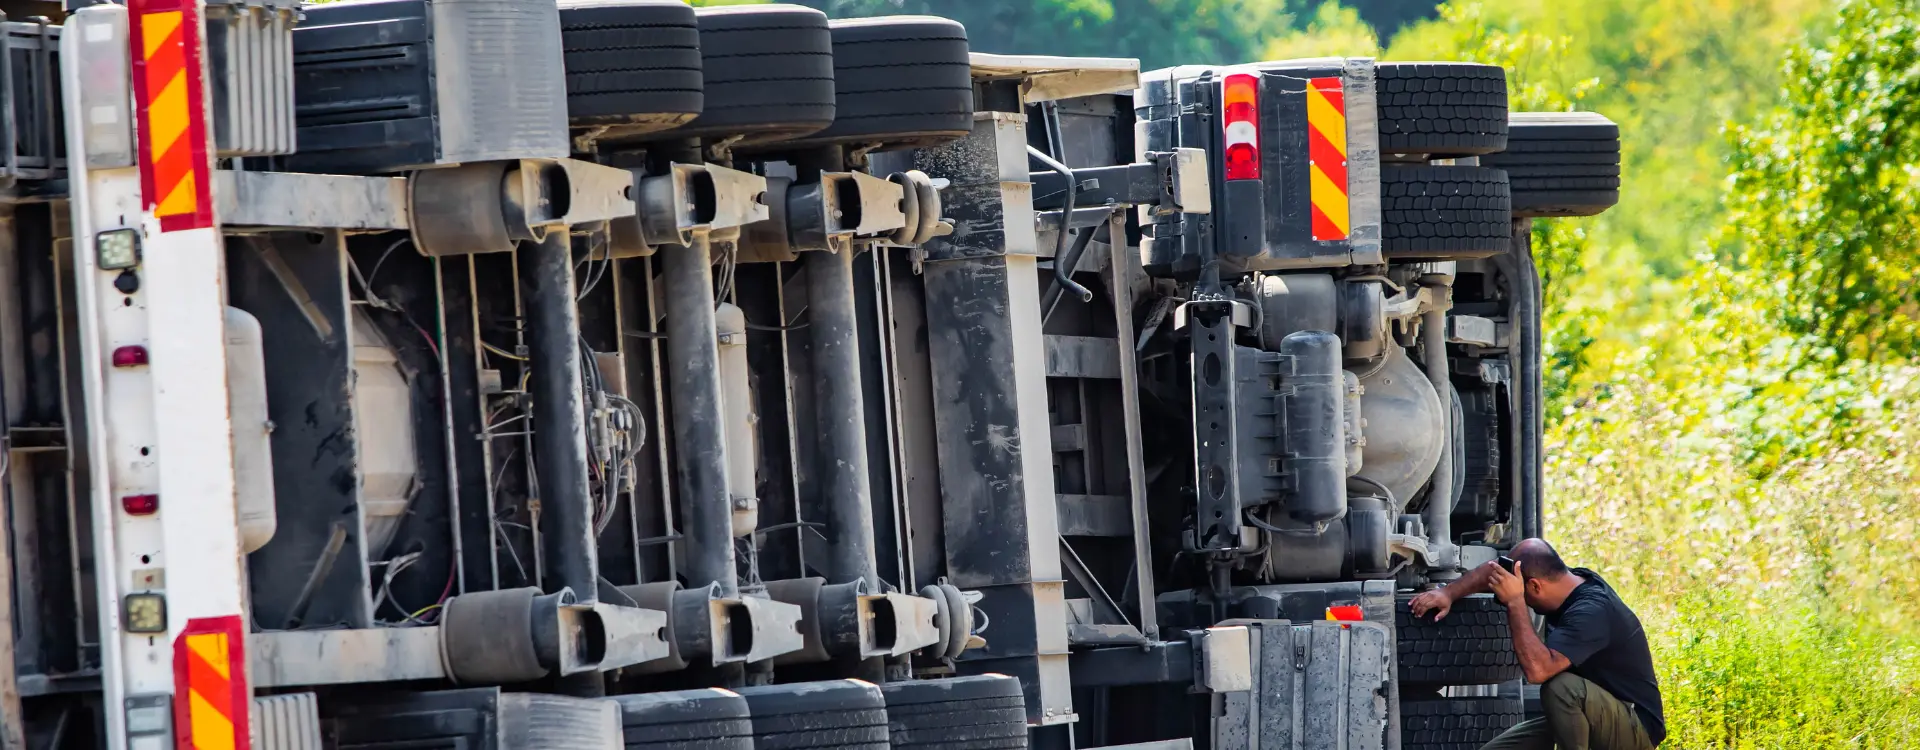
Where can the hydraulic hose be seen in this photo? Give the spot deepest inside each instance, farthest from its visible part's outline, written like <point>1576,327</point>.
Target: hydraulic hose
<point>1063,275</point>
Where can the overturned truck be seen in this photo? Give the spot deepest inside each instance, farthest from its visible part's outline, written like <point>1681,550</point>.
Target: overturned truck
<point>481,373</point>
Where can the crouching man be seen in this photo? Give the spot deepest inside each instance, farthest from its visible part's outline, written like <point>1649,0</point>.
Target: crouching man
<point>1596,672</point>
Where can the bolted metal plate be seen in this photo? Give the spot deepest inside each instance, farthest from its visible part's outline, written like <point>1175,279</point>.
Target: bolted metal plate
<point>1225,662</point>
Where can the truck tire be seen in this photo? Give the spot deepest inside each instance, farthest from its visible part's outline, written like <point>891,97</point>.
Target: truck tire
<point>1442,109</point>
<point>1472,646</point>
<point>768,71</point>
<point>1561,163</point>
<point>631,62</point>
<point>983,712</point>
<point>900,82</point>
<point>800,716</point>
<point>1455,723</point>
<point>1444,212</point>
<point>709,719</point>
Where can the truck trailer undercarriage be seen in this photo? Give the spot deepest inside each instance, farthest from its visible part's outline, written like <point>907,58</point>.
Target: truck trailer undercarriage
<point>481,373</point>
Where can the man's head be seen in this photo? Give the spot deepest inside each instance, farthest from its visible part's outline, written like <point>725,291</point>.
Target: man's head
<point>1548,581</point>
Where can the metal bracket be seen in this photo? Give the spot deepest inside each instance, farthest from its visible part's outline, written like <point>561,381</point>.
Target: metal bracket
<point>1242,312</point>
<point>909,619</point>
<point>1410,546</point>
<point>879,204</point>
<point>845,620</point>
<point>1185,182</point>
<point>595,192</point>
<point>487,206</point>
<point>828,214</point>
<point>704,627</point>
<point>1168,182</point>
<point>774,628</point>
<point>1474,330</point>
<point>631,635</point>
<point>1216,461</point>
<point>696,198</point>
<point>1223,660</point>
<point>1475,555</point>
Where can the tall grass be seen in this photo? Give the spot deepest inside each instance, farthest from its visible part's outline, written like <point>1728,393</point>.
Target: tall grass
<point>1781,606</point>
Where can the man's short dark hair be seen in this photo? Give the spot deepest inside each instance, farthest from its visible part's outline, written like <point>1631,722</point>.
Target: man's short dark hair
<point>1538,559</point>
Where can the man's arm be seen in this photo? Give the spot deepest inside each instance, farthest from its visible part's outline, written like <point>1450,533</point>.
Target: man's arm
<point>1441,600</point>
<point>1537,662</point>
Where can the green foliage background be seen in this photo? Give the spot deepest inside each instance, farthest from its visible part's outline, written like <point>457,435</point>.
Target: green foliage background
<point>1735,395</point>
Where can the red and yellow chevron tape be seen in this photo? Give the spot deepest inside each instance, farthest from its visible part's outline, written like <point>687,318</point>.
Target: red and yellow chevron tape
<point>168,73</point>
<point>1327,153</point>
<point>210,698</point>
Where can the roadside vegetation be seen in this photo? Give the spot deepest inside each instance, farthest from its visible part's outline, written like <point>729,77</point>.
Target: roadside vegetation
<point>1734,427</point>
<point>1735,399</point>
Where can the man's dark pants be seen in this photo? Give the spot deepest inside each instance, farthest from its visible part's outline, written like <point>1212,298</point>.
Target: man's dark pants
<point>1579,716</point>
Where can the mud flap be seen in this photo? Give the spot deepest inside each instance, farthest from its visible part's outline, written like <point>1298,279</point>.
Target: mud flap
<point>1321,685</point>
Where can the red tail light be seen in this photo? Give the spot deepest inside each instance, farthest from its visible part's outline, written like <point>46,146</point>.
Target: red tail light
<point>130,356</point>
<point>140,505</point>
<point>1240,118</point>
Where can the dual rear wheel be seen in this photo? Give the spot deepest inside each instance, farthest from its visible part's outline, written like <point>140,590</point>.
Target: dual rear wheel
<point>764,77</point>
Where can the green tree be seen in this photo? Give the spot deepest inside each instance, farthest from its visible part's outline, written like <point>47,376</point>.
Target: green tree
<point>1672,73</point>
<point>1334,30</point>
<point>1825,199</point>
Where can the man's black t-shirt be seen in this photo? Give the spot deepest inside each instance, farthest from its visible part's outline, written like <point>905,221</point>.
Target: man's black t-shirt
<point>1603,638</point>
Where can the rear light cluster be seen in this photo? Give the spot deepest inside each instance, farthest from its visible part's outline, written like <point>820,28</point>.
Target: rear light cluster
<point>1240,108</point>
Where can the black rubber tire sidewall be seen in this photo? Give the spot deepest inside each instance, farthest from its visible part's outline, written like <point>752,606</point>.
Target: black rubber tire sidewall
<point>900,81</point>
<point>813,697</point>
<point>686,720</point>
<point>586,107</point>
<point>1444,212</point>
<point>1561,163</point>
<point>768,70</point>
<point>981,712</point>
<point>732,743</point>
<point>1546,204</point>
<point>1442,109</point>
<point>869,736</point>
<point>1472,646</point>
<point>948,694</point>
<point>631,62</point>
<point>1455,723</point>
<point>625,14</point>
<point>839,713</point>
<point>586,62</point>
<point>716,729</point>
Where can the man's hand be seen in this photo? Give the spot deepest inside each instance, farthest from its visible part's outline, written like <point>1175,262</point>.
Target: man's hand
<point>1437,601</point>
<point>1509,588</point>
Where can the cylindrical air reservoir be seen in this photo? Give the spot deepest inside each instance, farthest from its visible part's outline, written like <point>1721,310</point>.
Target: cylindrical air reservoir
<point>252,431</point>
<point>736,402</point>
<point>1313,421</point>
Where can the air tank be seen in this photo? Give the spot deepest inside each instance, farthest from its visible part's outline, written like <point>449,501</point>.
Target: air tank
<point>252,431</point>
<point>1313,422</point>
<point>736,405</point>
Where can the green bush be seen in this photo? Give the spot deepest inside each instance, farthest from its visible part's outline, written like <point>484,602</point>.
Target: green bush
<point>1733,412</point>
